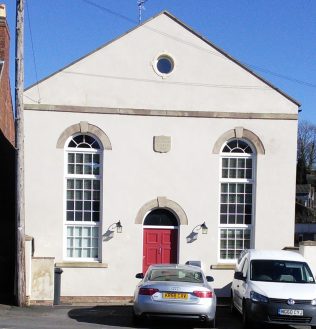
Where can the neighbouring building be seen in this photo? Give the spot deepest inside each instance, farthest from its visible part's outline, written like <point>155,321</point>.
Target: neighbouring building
<point>305,232</point>
<point>305,214</point>
<point>156,133</point>
<point>7,168</point>
<point>305,195</point>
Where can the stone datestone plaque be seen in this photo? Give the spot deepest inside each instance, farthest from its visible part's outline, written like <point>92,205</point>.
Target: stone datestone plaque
<point>162,144</point>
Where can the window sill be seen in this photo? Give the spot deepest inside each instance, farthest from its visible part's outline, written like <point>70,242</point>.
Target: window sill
<point>223,267</point>
<point>81,265</point>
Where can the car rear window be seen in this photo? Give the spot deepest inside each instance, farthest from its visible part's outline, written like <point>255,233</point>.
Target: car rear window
<point>177,275</point>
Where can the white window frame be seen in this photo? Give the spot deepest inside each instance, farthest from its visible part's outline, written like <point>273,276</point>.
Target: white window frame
<point>252,181</point>
<point>162,227</point>
<point>67,176</point>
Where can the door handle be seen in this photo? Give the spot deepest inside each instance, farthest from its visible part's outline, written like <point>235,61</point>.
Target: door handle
<point>160,250</point>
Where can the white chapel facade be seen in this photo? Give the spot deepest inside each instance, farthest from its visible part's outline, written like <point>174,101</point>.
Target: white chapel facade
<point>155,134</point>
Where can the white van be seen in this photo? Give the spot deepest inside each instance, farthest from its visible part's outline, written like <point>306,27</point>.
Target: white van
<point>274,287</point>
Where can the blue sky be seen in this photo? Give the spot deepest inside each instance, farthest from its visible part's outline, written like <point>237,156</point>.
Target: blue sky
<point>275,38</point>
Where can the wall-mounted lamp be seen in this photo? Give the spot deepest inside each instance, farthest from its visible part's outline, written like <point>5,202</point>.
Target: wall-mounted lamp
<point>194,234</point>
<point>204,228</point>
<point>109,234</point>
<point>119,227</point>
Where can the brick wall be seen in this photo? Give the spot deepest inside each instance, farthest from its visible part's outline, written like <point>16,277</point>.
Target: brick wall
<point>6,110</point>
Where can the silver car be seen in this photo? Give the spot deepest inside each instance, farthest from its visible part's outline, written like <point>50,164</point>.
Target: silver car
<point>175,291</point>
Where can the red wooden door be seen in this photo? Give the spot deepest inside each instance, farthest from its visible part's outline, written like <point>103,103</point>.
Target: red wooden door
<point>160,247</point>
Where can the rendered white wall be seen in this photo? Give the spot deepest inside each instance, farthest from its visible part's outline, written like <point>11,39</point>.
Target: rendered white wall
<point>134,174</point>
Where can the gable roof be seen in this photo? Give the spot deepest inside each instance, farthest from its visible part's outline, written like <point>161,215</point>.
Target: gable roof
<point>231,58</point>
<point>185,26</point>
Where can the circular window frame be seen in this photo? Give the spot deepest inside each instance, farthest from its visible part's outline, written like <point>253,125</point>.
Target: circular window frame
<point>170,58</point>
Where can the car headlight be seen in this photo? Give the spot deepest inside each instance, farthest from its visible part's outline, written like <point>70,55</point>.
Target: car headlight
<point>313,302</point>
<point>255,297</point>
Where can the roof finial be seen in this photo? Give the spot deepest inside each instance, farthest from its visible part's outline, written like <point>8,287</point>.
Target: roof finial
<point>140,4</point>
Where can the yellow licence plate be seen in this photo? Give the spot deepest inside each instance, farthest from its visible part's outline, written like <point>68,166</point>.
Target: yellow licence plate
<point>175,295</point>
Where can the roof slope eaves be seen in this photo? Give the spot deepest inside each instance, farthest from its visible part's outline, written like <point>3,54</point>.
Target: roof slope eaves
<point>233,59</point>
<point>94,51</point>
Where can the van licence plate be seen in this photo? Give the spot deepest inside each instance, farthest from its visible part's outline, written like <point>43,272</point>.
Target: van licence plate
<point>286,311</point>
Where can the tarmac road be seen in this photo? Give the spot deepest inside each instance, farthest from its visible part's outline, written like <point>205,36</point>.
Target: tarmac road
<point>119,317</point>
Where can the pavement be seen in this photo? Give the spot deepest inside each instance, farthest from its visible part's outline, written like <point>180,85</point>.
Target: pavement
<point>105,316</point>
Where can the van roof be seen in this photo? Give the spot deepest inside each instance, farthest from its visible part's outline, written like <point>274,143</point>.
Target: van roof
<point>275,254</point>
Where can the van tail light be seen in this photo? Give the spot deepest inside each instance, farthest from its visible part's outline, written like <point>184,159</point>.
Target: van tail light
<point>147,291</point>
<point>203,294</point>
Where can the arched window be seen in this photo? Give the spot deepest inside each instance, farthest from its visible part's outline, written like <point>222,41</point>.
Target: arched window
<point>83,175</point>
<point>237,185</point>
<point>161,217</point>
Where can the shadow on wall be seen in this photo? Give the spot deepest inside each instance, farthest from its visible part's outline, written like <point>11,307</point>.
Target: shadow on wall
<point>191,237</point>
<point>108,235</point>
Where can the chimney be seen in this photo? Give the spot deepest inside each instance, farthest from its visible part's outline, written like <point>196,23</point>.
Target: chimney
<point>2,11</point>
<point>6,111</point>
<point>4,35</point>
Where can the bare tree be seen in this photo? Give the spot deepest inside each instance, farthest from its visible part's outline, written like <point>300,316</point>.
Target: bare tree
<point>306,150</point>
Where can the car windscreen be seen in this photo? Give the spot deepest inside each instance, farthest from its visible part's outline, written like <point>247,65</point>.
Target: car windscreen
<point>280,271</point>
<point>177,275</point>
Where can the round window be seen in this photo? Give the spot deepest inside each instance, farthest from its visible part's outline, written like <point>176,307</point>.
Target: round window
<point>164,64</point>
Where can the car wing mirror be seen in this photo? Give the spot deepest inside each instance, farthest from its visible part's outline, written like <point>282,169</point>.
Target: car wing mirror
<point>139,276</point>
<point>209,278</point>
<point>239,276</point>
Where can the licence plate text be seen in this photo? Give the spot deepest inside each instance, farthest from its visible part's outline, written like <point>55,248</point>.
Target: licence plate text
<point>286,311</point>
<point>175,295</point>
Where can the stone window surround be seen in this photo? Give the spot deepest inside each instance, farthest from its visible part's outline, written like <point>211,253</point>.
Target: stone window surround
<point>84,127</point>
<point>161,202</point>
<point>167,56</point>
<point>239,132</point>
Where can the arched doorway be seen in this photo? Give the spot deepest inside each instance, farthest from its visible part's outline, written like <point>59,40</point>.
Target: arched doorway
<point>160,241</point>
